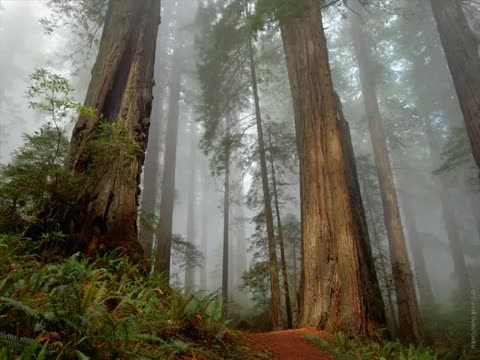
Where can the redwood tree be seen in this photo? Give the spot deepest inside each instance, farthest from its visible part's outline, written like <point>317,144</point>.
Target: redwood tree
<point>121,93</point>
<point>267,202</point>
<point>152,172</point>
<point>192,201</point>
<point>409,322</point>
<point>164,234</point>
<point>340,291</point>
<point>461,47</point>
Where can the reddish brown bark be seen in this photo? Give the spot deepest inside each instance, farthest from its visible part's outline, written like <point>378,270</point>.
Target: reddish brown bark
<point>462,49</point>
<point>410,325</point>
<point>339,287</point>
<point>121,91</point>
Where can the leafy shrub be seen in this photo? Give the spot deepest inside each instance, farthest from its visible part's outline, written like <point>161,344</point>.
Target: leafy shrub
<point>102,308</point>
<point>341,347</point>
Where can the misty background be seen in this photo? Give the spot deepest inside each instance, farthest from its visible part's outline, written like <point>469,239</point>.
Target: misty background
<point>412,89</point>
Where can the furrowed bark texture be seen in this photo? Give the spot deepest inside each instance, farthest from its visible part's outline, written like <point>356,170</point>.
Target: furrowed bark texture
<point>267,202</point>
<point>120,91</point>
<point>339,287</point>
<point>462,50</point>
<point>410,325</point>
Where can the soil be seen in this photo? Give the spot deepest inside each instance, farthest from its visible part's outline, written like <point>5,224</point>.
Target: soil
<point>290,344</point>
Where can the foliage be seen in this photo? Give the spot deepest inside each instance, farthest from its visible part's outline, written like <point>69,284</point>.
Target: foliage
<point>50,93</point>
<point>450,325</point>
<point>224,79</point>
<point>183,252</point>
<point>341,347</point>
<point>102,308</point>
<point>36,183</point>
<point>456,152</point>
<point>271,10</point>
<point>37,186</point>
<point>257,281</point>
<point>84,18</point>
<point>112,146</point>
<point>34,178</point>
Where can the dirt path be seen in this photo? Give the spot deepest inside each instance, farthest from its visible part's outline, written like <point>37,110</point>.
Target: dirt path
<point>290,345</point>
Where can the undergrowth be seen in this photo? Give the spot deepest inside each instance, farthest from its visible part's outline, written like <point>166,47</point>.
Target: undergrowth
<point>103,308</point>
<point>342,348</point>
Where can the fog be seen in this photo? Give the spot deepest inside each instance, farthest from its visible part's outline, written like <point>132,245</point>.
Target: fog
<point>435,176</point>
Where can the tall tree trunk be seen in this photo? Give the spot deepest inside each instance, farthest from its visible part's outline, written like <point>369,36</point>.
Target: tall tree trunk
<point>226,228</point>
<point>390,308</point>
<point>423,279</point>
<point>164,234</point>
<point>192,201</point>
<point>241,250</point>
<point>462,47</point>
<point>295,283</point>
<point>448,216</point>
<point>339,288</point>
<point>151,173</point>
<point>283,261</point>
<point>272,250</point>
<point>205,227</point>
<point>150,182</point>
<point>410,325</point>
<point>120,91</point>
<point>238,260</point>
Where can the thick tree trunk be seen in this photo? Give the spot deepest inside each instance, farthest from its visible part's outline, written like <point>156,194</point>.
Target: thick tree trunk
<point>120,91</point>
<point>288,304</point>
<point>462,50</point>
<point>164,234</point>
<point>192,203</point>
<point>272,250</point>
<point>226,229</point>
<point>410,325</point>
<point>339,288</point>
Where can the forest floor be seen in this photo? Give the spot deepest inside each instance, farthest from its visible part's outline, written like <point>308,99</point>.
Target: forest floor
<point>290,344</point>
